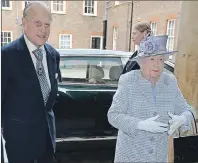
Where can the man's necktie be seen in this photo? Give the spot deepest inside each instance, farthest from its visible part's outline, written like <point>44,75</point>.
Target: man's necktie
<point>41,74</point>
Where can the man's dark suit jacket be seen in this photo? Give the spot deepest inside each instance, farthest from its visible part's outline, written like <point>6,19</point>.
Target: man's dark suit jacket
<point>26,121</point>
<point>131,65</point>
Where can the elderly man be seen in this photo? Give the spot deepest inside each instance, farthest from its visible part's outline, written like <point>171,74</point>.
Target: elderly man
<point>30,69</point>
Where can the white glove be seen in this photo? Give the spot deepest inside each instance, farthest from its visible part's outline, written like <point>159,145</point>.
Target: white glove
<point>176,122</point>
<point>152,126</point>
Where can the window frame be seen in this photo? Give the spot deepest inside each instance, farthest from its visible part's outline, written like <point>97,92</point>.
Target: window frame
<point>58,12</point>
<point>7,8</point>
<point>170,47</point>
<point>170,36</point>
<point>11,34</point>
<point>70,40</point>
<point>114,45</point>
<point>153,30</point>
<point>101,41</point>
<point>95,7</point>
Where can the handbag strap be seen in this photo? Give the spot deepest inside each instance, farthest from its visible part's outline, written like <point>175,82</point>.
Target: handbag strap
<point>194,121</point>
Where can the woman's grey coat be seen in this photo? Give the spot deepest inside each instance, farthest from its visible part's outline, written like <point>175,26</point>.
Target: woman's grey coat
<point>134,102</point>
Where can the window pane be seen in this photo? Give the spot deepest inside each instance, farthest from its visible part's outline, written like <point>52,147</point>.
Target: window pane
<point>89,10</point>
<point>5,34</point>
<point>3,3</point>
<point>65,41</point>
<point>5,39</point>
<point>86,2</point>
<point>92,2</point>
<point>89,3</point>
<point>95,43</point>
<point>98,43</point>
<point>68,37</point>
<point>92,10</point>
<point>54,7</point>
<point>85,9</point>
<point>86,70</point>
<point>61,8</point>
<point>7,3</point>
<point>169,24</point>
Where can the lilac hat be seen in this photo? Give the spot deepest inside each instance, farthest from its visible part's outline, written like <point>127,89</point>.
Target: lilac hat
<point>152,46</point>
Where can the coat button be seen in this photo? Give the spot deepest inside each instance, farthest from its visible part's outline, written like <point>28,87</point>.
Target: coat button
<point>152,138</point>
<point>151,151</point>
<point>155,114</point>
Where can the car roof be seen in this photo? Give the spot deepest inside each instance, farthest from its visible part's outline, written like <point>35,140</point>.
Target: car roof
<point>93,52</point>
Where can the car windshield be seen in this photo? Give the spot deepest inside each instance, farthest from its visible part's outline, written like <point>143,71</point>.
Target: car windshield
<point>91,70</point>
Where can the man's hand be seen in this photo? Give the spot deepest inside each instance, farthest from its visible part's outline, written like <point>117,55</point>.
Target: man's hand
<point>152,126</point>
<point>176,122</point>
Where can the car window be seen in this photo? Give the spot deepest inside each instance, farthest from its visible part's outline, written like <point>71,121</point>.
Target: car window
<point>91,70</point>
<point>124,60</point>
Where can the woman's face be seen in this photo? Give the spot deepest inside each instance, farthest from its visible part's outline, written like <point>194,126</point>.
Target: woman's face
<point>152,66</point>
<point>138,36</point>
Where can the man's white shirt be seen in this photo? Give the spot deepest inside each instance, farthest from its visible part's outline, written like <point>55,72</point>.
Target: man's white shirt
<point>32,47</point>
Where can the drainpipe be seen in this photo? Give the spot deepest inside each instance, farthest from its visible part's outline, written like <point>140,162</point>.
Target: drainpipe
<point>131,22</point>
<point>17,12</point>
<point>105,27</point>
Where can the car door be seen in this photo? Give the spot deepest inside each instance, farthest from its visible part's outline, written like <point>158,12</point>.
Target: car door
<point>85,95</point>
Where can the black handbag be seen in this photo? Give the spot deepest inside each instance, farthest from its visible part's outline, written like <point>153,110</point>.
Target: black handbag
<point>186,148</point>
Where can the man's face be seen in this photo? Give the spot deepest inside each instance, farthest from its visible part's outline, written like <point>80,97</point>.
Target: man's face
<point>37,26</point>
<point>153,66</point>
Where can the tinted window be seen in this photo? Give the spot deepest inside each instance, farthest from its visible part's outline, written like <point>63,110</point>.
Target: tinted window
<point>91,70</point>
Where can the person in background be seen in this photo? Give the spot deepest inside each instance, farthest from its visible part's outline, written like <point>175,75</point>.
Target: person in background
<point>30,70</point>
<point>148,106</point>
<point>140,31</point>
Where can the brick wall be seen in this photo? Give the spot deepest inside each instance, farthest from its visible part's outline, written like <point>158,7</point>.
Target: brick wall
<point>81,27</point>
<point>150,11</point>
<point>119,16</point>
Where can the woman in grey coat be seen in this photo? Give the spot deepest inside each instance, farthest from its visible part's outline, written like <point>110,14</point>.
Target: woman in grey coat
<point>148,106</point>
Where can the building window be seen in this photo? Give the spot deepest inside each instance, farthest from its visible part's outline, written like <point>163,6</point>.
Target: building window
<point>58,7</point>
<point>90,8</point>
<point>117,3</point>
<point>171,34</point>
<point>6,5</point>
<point>6,37</point>
<point>65,41</point>
<point>154,28</point>
<point>115,36</point>
<point>96,42</point>
<point>171,38</point>
<point>24,3</point>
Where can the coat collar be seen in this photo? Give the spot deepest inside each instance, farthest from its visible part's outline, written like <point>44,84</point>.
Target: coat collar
<point>145,87</point>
